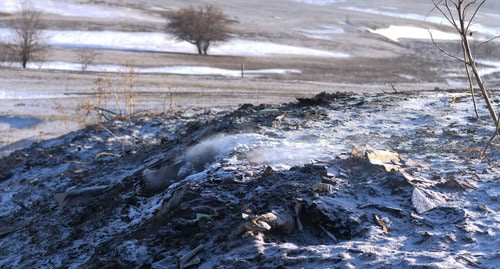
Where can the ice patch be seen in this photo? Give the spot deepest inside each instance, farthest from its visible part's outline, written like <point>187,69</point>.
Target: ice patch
<point>395,33</point>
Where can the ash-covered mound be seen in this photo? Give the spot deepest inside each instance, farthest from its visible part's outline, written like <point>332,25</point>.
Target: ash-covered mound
<point>261,187</point>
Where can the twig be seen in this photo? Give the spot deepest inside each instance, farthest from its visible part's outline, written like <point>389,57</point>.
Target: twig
<point>497,132</point>
<point>393,88</point>
<point>105,110</point>
<point>443,50</point>
<point>183,261</point>
<point>107,154</point>
<point>329,234</point>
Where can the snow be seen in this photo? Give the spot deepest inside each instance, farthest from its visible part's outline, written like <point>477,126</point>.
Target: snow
<point>175,69</point>
<point>320,2</point>
<point>8,94</point>
<point>92,11</point>
<point>395,33</point>
<point>476,27</point>
<point>160,42</point>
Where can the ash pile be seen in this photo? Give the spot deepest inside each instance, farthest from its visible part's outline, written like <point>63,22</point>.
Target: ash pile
<point>336,181</point>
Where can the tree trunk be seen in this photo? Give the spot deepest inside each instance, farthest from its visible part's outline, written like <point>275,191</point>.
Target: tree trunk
<point>472,63</point>
<point>200,48</point>
<point>205,47</point>
<point>24,62</point>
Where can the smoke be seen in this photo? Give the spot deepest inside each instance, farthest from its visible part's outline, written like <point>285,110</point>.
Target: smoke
<point>254,148</point>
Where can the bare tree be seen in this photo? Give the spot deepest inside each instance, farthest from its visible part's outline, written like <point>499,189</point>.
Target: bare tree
<point>199,26</point>
<point>461,14</point>
<point>27,28</point>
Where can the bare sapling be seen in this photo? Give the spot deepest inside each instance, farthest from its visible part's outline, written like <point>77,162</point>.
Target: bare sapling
<point>170,95</point>
<point>129,90</point>
<point>461,14</point>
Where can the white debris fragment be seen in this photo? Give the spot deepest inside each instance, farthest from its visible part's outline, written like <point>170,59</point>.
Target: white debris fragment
<point>425,200</point>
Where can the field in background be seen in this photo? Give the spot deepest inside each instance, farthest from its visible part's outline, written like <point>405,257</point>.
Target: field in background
<point>288,49</point>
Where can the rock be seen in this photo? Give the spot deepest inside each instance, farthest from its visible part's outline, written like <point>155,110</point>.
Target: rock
<point>356,152</point>
<point>389,160</point>
<point>267,171</point>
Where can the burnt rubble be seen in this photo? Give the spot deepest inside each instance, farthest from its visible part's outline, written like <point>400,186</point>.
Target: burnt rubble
<point>206,191</point>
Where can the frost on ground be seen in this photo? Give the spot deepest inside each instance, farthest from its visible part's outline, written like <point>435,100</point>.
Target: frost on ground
<point>262,186</point>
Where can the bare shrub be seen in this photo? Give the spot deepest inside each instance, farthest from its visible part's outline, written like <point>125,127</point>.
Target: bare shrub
<point>128,86</point>
<point>85,58</point>
<point>199,26</point>
<point>28,43</point>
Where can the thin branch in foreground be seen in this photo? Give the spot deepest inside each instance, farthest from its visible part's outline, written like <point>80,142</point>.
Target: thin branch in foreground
<point>443,50</point>
<point>497,133</point>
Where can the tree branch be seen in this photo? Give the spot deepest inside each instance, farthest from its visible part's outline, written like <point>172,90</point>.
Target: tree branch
<point>445,51</point>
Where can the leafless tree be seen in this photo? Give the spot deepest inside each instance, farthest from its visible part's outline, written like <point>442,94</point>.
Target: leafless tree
<point>199,26</point>
<point>86,57</point>
<point>461,15</point>
<point>27,28</point>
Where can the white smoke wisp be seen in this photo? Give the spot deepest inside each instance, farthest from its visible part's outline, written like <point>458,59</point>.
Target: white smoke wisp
<point>254,148</point>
